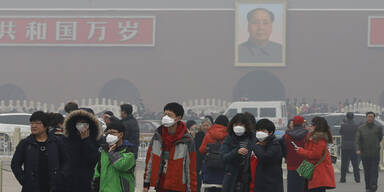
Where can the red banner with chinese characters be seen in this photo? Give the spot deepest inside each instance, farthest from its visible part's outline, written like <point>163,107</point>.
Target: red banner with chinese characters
<point>376,31</point>
<point>77,31</point>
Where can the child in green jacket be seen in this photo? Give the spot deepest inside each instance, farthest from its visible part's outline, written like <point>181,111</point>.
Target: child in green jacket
<point>115,170</point>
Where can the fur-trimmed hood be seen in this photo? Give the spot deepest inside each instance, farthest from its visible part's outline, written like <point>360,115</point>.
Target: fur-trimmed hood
<point>320,135</point>
<point>71,120</point>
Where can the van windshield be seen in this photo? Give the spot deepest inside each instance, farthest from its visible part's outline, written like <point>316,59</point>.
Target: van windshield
<point>267,112</point>
<point>253,111</point>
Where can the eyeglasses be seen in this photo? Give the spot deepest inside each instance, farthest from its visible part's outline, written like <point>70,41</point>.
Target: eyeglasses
<point>112,132</point>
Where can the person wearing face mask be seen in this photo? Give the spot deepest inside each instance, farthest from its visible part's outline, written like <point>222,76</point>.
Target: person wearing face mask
<point>115,170</point>
<point>82,133</point>
<point>269,155</point>
<point>236,150</point>
<point>171,156</point>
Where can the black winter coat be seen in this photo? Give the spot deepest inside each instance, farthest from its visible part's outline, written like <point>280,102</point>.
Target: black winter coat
<point>229,148</point>
<point>132,132</point>
<point>25,164</point>
<point>269,175</point>
<point>83,153</point>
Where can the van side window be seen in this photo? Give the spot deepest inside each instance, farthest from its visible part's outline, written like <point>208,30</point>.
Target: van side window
<point>15,119</point>
<point>267,112</point>
<point>253,111</point>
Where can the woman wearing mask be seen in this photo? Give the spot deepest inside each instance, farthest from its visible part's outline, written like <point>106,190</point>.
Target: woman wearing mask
<point>316,151</point>
<point>236,150</point>
<point>268,175</point>
<point>205,125</point>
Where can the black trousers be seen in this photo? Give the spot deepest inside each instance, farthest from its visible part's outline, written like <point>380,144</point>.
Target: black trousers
<point>295,183</point>
<point>348,155</point>
<point>371,171</point>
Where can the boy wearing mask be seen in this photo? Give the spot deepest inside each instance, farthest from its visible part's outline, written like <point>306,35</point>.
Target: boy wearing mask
<point>269,175</point>
<point>115,170</point>
<point>170,164</point>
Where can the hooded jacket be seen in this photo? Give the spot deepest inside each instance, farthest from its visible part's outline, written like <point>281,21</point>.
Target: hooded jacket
<point>216,133</point>
<point>83,153</point>
<point>297,135</point>
<point>313,151</point>
<point>180,174</point>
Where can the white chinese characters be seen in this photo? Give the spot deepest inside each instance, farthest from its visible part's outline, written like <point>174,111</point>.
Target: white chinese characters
<point>128,31</point>
<point>36,31</point>
<point>7,29</point>
<point>66,31</point>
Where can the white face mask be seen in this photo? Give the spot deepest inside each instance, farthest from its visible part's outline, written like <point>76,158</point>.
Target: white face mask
<point>111,139</point>
<point>167,121</point>
<point>239,130</point>
<point>261,136</point>
<point>81,126</point>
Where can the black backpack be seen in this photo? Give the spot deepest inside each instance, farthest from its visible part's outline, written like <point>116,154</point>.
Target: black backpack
<point>213,157</point>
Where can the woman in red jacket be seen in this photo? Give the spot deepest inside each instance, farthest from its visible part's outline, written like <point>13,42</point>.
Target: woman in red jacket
<point>315,147</point>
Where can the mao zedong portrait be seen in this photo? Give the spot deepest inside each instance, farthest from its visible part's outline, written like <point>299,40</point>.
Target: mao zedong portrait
<point>258,48</point>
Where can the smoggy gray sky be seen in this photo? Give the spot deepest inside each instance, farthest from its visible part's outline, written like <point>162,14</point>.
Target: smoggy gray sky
<point>327,54</point>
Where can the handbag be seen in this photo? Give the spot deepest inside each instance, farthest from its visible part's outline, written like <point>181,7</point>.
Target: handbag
<point>306,168</point>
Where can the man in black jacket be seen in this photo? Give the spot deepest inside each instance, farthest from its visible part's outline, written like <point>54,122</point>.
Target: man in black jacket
<point>132,131</point>
<point>39,160</point>
<point>348,153</point>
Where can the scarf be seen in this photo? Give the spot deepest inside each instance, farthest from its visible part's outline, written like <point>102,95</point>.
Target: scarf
<point>168,139</point>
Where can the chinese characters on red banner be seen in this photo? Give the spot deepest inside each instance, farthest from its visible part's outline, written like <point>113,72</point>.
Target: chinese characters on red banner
<point>78,31</point>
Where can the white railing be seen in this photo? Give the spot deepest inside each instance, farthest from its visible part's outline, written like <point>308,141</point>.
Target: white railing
<point>208,105</point>
<point>362,107</point>
<point>96,104</point>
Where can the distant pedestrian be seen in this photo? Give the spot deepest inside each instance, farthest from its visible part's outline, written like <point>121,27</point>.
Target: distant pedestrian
<point>368,139</point>
<point>71,106</point>
<point>348,148</point>
<point>132,131</point>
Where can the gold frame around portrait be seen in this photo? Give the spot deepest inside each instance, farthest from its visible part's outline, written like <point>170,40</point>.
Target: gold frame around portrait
<point>261,64</point>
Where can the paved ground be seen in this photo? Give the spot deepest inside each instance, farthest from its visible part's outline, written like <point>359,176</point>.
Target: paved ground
<point>11,185</point>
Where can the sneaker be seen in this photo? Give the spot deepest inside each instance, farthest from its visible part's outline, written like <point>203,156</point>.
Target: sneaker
<point>342,180</point>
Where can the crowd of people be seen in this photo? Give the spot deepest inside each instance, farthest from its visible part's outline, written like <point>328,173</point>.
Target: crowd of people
<point>73,153</point>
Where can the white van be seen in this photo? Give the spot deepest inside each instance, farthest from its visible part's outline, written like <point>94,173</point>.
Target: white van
<point>276,111</point>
